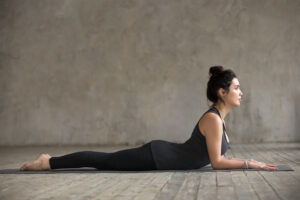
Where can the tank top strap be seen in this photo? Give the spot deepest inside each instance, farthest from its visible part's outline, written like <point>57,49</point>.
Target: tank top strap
<point>215,110</point>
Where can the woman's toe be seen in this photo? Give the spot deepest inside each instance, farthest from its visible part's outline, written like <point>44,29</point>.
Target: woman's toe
<point>23,167</point>
<point>41,163</point>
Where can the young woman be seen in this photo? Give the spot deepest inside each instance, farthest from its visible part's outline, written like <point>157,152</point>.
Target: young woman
<point>207,144</point>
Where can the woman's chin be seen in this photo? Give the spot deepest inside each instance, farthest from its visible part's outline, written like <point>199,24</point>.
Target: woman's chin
<point>237,105</point>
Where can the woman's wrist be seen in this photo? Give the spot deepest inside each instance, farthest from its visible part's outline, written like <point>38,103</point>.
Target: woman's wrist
<point>251,162</point>
<point>246,164</point>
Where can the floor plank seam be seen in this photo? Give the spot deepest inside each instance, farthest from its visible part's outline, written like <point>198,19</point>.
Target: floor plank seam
<point>274,190</point>
<point>257,195</point>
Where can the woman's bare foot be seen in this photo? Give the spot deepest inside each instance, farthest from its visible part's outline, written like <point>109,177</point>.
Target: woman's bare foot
<point>41,163</point>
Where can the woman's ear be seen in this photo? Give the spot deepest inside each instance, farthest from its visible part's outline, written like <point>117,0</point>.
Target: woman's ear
<point>222,92</point>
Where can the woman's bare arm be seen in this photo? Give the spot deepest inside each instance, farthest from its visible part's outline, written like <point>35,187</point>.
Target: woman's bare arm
<point>213,136</point>
<point>242,159</point>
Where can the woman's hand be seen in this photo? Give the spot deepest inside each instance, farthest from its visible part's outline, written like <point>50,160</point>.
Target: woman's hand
<point>253,164</point>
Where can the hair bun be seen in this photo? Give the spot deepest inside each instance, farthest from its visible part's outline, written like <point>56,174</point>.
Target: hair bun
<point>215,70</point>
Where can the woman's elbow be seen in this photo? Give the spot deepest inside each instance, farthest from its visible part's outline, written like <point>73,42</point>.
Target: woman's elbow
<point>216,164</point>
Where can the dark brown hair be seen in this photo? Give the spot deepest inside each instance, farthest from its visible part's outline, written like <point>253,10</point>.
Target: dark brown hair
<point>218,78</point>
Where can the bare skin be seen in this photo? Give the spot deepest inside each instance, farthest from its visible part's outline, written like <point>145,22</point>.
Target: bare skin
<point>40,164</point>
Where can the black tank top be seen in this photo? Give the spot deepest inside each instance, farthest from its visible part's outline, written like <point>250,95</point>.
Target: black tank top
<point>191,154</point>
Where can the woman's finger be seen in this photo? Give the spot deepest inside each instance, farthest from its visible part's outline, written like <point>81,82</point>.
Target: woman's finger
<point>271,168</point>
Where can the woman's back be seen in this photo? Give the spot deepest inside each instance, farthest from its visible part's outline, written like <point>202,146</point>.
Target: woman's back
<point>191,154</point>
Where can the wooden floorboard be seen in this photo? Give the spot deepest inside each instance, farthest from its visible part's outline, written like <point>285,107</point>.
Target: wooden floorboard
<point>152,185</point>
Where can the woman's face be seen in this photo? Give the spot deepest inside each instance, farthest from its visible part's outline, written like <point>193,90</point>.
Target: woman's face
<point>234,96</point>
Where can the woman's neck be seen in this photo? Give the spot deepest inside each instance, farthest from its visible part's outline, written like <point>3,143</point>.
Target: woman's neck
<point>223,109</point>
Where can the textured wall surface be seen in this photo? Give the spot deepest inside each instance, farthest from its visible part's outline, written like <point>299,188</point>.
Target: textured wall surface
<point>129,71</point>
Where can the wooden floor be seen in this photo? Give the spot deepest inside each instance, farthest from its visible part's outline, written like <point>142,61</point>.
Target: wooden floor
<point>155,185</point>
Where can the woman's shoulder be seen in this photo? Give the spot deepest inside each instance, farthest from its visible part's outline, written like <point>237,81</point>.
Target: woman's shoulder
<point>208,120</point>
<point>211,114</point>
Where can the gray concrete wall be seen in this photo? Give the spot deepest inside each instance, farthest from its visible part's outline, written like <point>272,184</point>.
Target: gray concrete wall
<point>129,71</point>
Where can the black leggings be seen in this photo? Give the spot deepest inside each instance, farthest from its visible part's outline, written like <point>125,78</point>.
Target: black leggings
<point>134,159</point>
